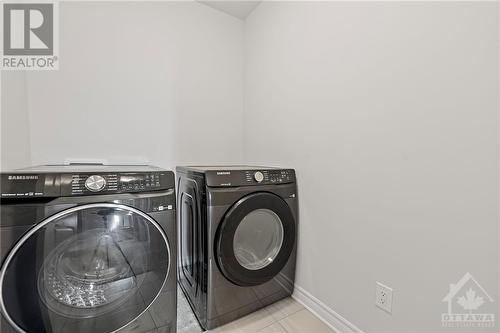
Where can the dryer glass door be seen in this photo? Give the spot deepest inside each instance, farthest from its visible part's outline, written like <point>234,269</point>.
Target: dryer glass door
<point>91,268</point>
<point>258,239</point>
<point>255,239</point>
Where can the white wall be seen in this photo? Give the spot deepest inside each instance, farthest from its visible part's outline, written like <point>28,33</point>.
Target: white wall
<point>389,113</point>
<point>140,81</point>
<point>15,136</point>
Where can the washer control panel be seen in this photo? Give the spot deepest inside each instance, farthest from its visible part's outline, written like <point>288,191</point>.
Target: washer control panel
<point>81,184</point>
<point>234,178</point>
<point>62,181</point>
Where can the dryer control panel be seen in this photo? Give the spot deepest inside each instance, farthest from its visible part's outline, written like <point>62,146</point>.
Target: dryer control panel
<point>235,178</point>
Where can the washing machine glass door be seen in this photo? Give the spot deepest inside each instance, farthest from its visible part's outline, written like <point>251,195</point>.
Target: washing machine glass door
<point>255,239</point>
<point>91,268</point>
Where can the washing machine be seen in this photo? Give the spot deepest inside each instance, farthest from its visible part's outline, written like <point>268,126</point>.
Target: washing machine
<point>88,249</point>
<point>237,239</point>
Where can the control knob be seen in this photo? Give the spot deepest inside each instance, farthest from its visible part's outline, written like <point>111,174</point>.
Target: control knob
<point>95,183</point>
<point>258,176</point>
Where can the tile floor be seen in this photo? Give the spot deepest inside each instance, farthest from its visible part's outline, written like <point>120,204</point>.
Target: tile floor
<point>186,320</point>
<point>284,316</point>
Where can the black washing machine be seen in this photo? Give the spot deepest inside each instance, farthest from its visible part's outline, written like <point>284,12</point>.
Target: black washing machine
<point>88,249</point>
<point>237,239</point>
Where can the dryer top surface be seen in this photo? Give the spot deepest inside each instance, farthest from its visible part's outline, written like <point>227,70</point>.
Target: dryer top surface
<point>205,168</point>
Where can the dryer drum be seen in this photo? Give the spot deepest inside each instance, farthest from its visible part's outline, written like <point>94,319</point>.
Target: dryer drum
<point>255,239</point>
<point>258,239</point>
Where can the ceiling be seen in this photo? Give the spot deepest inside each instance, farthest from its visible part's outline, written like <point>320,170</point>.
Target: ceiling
<point>239,9</point>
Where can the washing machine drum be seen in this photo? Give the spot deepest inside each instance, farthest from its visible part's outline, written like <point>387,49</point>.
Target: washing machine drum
<point>90,268</point>
<point>255,239</point>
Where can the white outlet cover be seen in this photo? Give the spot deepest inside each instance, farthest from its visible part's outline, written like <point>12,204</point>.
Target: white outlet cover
<point>383,297</point>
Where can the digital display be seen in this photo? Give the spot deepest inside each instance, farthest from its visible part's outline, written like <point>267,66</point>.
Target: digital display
<point>128,179</point>
<point>135,177</point>
<point>139,181</point>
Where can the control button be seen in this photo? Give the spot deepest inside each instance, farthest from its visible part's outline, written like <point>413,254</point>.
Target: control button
<point>95,183</point>
<point>258,176</point>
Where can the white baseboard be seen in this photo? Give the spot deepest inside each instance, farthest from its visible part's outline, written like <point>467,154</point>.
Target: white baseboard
<point>323,312</point>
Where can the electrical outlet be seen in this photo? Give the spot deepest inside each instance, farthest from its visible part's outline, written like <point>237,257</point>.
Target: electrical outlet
<point>383,297</point>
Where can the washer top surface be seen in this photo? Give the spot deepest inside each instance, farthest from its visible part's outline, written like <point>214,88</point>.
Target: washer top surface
<point>72,168</point>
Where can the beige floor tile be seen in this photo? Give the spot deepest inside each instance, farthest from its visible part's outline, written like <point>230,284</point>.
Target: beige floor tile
<point>304,321</point>
<point>274,328</point>
<point>248,324</point>
<point>284,308</point>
